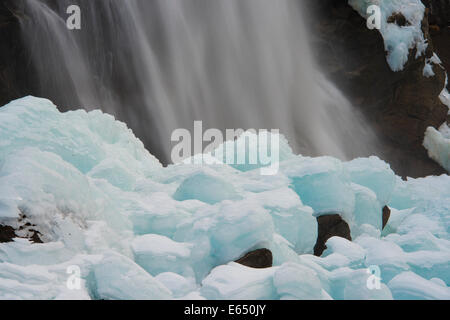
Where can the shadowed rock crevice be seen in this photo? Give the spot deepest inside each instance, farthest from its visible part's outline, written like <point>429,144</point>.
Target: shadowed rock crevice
<point>330,226</point>
<point>386,215</point>
<point>261,258</point>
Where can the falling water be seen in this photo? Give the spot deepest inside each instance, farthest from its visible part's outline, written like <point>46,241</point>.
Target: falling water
<point>159,65</point>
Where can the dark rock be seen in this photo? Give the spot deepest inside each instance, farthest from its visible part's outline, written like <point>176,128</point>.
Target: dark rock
<point>330,226</point>
<point>441,41</point>
<point>434,30</point>
<point>439,20</point>
<point>399,19</point>
<point>6,234</point>
<point>439,11</point>
<point>261,258</point>
<point>386,215</point>
<point>35,237</point>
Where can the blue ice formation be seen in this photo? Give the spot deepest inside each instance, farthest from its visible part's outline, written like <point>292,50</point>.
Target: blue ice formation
<point>138,230</point>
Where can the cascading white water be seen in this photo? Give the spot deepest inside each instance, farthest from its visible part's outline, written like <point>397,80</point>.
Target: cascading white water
<point>159,65</point>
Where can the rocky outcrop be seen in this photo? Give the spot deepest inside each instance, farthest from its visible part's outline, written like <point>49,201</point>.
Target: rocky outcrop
<point>398,105</point>
<point>261,258</point>
<point>330,226</point>
<point>6,234</point>
<point>23,229</point>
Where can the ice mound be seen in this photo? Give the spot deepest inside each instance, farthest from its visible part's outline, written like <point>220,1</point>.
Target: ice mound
<point>158,254</point>
<point>398,40</point>
<point>119,278</point>
<point>80,138</point>
<point>103,205</point>
<point>322,184</point>
<point>410,286</point>
<point>253,150</point>
<point>235,281</point>
<point>437,142</point>
<point>205,188</point>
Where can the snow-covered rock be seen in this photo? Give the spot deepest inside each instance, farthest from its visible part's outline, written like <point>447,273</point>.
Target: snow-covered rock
<point>398,39</point>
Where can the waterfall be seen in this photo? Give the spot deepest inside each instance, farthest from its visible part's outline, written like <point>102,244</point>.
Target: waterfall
<point>162,64</point>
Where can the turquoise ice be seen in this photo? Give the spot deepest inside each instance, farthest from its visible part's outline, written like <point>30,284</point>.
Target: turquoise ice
<point>138,230</point>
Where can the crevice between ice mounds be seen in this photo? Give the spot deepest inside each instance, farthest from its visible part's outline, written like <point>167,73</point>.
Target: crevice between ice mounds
<point>260,259</point>
<point>334,226</point>
<point>386,215</point>
<point>330,226</point>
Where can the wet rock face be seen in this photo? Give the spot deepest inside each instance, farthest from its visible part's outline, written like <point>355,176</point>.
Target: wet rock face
<point>261,258</point>
<point>439,12</point>
<point>441,41</point>
<point>439,21</point>
<point>330,226</point>
<point>398,105</point>
<point>386,215</point>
